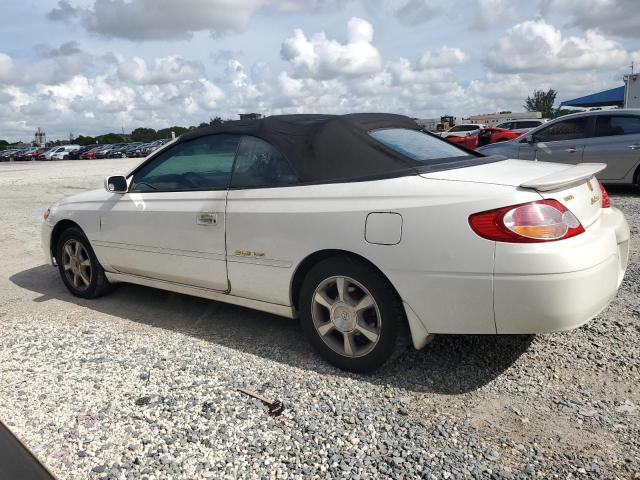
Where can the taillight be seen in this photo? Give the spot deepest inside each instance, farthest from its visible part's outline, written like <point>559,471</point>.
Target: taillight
<point>606,201</point>
<point>539,221</point>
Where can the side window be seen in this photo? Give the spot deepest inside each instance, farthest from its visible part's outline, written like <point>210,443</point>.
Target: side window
<point>203,163</point>
<point>570,129</point>
<point>531,124</point>
<point>610,125</point>
<point>259,164</point>
<point>507,125</point>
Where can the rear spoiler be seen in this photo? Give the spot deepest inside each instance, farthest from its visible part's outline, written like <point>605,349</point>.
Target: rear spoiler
<point>564,178</point>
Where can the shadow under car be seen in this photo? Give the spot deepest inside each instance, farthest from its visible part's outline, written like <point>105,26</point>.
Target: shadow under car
<point>450,364</point>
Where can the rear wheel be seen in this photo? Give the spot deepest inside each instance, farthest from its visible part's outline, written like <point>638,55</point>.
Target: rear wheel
<point>351,314</point>
<point>78,266</point>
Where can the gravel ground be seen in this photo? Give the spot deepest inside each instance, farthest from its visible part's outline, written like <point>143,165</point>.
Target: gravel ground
<point>144,383</point>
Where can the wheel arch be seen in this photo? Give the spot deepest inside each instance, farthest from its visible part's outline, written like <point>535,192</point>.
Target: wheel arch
<point>311,260</point>
<point>60,227</point>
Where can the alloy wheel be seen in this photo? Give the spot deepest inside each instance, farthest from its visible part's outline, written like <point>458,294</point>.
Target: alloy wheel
<point>346,316</point>
<point>76,264</point>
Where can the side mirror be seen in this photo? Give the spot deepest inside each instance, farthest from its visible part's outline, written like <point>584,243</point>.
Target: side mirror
<point>529,139</point>
<point>116,184</point>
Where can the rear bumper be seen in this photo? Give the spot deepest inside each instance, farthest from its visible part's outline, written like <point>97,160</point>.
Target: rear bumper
<point>535,300</point>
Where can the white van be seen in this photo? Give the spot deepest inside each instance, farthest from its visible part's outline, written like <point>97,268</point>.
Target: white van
<point>62,152</point>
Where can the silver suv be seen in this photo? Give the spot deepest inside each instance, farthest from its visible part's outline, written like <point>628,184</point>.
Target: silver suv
<point>606,136</point>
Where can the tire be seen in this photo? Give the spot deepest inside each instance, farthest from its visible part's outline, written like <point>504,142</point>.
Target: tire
<point>357,340</point>
<point>85,277</point>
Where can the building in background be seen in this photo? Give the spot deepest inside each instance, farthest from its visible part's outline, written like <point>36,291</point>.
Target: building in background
<point>40,138</point>
<point>626,96</point>
<point>493,119</point>
<point>632,91</point>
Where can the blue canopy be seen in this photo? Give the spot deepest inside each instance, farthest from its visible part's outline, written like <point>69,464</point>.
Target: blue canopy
<point>614,96</point>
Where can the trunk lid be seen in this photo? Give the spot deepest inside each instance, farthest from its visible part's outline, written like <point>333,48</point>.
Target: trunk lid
<point>574,186</point>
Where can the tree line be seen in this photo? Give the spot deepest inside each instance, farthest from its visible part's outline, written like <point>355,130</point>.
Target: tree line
<point>141,134</point>
<point>144,134</point>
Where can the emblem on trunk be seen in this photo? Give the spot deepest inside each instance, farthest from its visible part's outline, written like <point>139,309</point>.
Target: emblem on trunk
<point>568,197</point>
<point>595,199</point>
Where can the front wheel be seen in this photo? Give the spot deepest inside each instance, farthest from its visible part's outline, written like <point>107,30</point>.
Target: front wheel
<point>79,268</point>
<point>351,314</point>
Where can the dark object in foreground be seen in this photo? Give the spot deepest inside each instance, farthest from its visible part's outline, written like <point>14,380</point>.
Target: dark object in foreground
<point>16,461</point>
<point>275,408</point>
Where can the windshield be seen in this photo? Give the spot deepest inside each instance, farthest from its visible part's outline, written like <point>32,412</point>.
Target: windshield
<point>418,145</point>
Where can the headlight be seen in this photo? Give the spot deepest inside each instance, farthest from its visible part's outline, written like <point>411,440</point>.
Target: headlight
<point>47,213</point>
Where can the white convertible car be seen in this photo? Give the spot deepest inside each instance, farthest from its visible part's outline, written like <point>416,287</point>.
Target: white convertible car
<point>362,225</point>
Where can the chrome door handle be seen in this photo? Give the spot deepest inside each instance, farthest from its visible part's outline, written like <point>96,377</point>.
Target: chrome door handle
<point>635,146</point>
<point>571,150</point>
<point>207,218</point>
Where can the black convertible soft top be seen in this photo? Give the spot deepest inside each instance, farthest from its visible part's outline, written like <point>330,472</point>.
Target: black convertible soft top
<point>325,148</point>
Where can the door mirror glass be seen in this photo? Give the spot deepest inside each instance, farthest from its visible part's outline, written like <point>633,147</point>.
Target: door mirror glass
<point>116,184</point>
<point>529,139</point>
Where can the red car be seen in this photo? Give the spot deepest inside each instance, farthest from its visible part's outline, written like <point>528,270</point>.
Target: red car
<point>484,136</point>
<point>89,154</point>
<point>33,154</point>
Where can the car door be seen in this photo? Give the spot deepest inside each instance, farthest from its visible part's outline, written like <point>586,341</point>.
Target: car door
<point>171,224</point>
<point>616,142</point>
<point>561,142</point>
<point>262,207</point>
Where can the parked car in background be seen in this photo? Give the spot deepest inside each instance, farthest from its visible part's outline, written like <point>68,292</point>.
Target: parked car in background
<point>41,155</point>
<point>607,136</point>
<point>64,152</point>
<point>461,130</point>
<point>9,154</point>
<point>75,155</point>
<point>104,151</point>
<point>90,154</point>
<point>34,153</point>
<point>49,153</point>
<point>484,136</point>
<point>151,147</point>
<point>118,151</point>
<point>20,154</point>
<point>361,225</point>
<point>523,124</point>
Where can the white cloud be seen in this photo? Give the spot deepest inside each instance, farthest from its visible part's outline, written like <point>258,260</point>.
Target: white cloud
<point>55,68</point>
<point>490,12</point>
<point>535,45</point>
<point>444,57</point>
<point>141,20</point>
<point>163,70</point>
<point>414,12</point>
<point>617,17</point>
<point>157,19</point>
<point>321,58</point>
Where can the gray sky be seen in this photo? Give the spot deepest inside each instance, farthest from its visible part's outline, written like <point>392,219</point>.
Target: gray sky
<point>94,66</point>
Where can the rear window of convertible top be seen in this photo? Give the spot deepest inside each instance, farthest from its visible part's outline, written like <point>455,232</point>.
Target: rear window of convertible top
<point>420,146</point>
